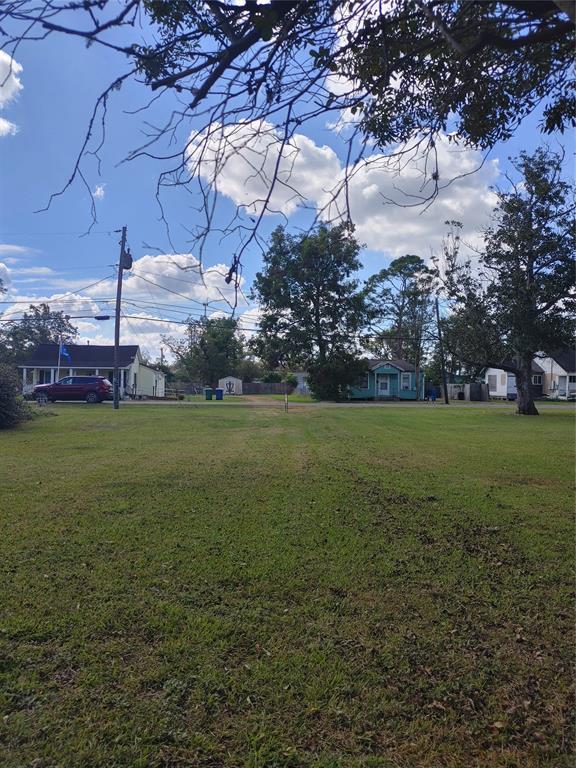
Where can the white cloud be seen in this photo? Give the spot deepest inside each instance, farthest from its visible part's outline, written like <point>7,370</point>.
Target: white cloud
<point>174,279</point>
<point>134,329</point>
<point>383,195</point>
<point>7,128</point>
<point>242,160</point>
<point>9,248</point>
<point>68,303</point>
<point>387,194</point>
<point>10,86</point>
<point>33,271</point>
<point>5,278</point>
<point>99,192</point>
<point>249,321</point>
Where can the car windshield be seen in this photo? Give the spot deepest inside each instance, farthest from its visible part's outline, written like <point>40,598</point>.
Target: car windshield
<point>105,381</point>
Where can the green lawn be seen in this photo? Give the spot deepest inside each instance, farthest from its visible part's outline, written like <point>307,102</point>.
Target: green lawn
<point>246,588</point>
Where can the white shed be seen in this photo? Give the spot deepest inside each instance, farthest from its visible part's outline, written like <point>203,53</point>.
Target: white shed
<point>500,383</point>
<point>231,385</point>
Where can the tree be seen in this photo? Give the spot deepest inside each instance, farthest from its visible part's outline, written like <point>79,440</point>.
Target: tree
<point>405,71</point>
<point>522,301</point>
<point>40,325</point>
<point>209,350</point>
<point>312,310</point>
<point>400,299</point>
<point>248,369</point>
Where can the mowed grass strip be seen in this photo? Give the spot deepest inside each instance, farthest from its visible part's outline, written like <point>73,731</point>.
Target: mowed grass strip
<point>327,588</point>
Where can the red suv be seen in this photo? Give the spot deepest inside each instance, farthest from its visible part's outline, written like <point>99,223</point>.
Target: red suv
<point>93,389</point>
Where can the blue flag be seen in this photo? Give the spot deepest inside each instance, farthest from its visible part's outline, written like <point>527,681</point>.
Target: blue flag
<point>64,352</point>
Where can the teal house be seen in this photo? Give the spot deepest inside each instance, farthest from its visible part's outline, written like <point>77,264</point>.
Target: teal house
<point>388,380</point>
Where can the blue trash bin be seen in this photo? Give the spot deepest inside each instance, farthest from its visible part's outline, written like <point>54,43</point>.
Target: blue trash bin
<point>219,394</point>
<point>208,393</point>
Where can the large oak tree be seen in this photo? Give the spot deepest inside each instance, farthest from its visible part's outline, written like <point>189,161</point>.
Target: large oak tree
<point>521,300</point>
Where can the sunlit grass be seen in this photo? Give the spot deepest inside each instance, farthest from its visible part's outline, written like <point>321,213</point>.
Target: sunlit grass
<point>332,587</point>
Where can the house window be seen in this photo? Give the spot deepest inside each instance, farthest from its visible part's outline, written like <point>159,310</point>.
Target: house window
<point>405,381</point>
<point>572,379</point>
<point>492,386</point>
<point>537,379</point>
<point>364,382</point>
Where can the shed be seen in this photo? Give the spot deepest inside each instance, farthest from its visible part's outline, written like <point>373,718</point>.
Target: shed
<point>231,385</point>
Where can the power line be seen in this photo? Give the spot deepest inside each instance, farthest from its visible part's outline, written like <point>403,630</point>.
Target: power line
<point>176,293</point>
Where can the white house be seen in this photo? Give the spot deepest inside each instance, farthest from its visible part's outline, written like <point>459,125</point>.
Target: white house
<point>559,373</point>
<point>48,364</point>
<point>231,385</point>
<point>502,385</point>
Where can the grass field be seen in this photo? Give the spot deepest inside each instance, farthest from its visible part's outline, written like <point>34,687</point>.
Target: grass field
<point>328,588</point>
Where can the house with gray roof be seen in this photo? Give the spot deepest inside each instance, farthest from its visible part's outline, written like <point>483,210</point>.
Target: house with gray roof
<point>50,362</point>
<point>559,373</point>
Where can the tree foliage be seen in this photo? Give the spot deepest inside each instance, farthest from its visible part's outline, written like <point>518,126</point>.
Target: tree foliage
<point>522,300</point>
<point>39,325</point>
<point>312,308</point>
<point>13,408</point>
<point>400,306</point>
<point>209,350</point>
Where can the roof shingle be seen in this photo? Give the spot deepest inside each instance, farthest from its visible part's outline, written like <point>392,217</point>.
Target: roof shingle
<point>81,356</point>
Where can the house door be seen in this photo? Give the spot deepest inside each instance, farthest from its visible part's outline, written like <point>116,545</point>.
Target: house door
<point>383,389</point>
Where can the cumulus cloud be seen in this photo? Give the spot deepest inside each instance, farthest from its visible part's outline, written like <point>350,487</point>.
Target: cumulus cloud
<point>68,303</point>
<point>10,86</point>
<point>384,199</point>
<point>249,321</point>
<point>387,195</point>
<point>242,160</point>
<point>7,128</point>
<point>175,278</point>
<point>145,331</point>
<point>99,192</point>
<point>5,279</point>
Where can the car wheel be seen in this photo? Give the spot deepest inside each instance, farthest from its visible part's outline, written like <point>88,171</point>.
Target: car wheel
<point>41,399</point>
<point>92,397</point>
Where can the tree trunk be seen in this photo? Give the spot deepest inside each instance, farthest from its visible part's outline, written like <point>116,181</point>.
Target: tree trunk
<point>525,401</point>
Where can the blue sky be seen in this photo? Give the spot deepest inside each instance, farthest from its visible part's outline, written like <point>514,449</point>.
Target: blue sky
<point>42,256</point>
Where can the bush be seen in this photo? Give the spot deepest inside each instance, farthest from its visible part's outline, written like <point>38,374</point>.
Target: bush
<point>13,408</point>
<point>291,379</point>
<point>272,377</point>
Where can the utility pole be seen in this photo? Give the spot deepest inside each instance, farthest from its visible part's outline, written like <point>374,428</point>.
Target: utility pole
<point>441,351</point>
<point>124,262</point>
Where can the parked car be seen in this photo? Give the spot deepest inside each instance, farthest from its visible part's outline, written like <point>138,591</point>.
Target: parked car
<point>92,389</point>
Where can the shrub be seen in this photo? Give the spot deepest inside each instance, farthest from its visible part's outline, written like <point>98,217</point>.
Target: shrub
<point>13,408</point>
<point>291,379</point>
